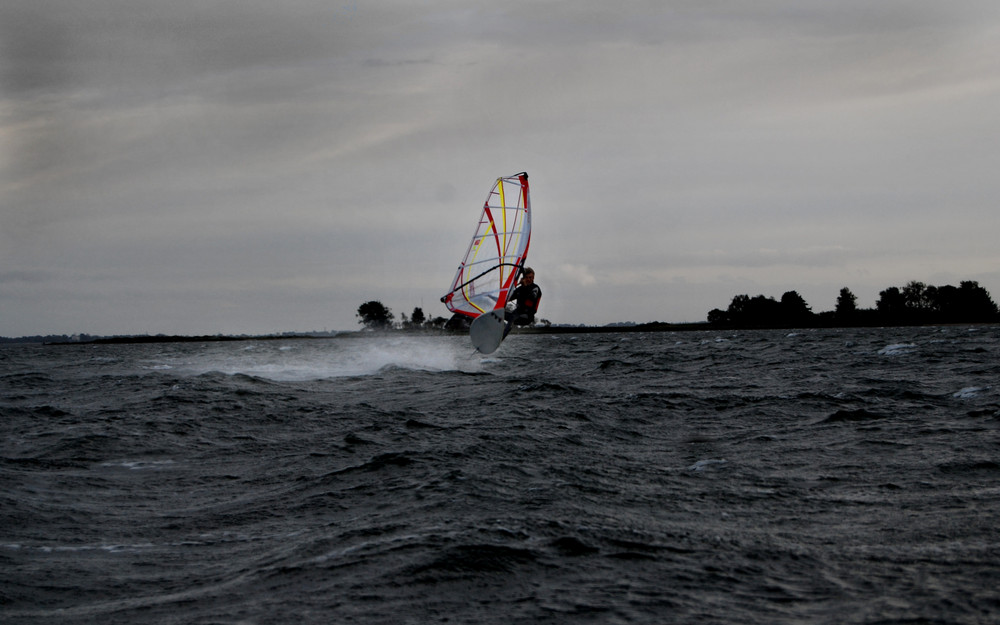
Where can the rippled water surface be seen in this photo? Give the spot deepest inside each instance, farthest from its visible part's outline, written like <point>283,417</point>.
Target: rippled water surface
<point>837,476</point>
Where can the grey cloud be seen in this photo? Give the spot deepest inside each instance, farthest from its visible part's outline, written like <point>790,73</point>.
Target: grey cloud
<point>27,275</point>
<point>35,50</point>
<point>314,153</point>
<point>125,45</point>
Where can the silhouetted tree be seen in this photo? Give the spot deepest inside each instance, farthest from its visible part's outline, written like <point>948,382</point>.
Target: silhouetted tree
<point>969,303</point>
<point>754,312</point>
<point>458,322</point>
<point>417,318</point>
<point>976,303</point>
<point>795,311</point>
<point>891,305</point>
<point>437,322</point>
<point>917,302</point>
<point>718,317</point>
<point>847,305</point>
<point>764,312</point>
<point>915,295</point>
<point>736,312</point>
<point>375,315</point>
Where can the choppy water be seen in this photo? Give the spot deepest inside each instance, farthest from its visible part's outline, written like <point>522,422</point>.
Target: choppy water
<point>752,477</point>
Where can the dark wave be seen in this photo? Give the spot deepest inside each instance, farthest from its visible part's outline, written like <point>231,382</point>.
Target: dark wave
<point>980,467</point>
<point>464,560</point>
<point>752,477</point>
<point>860,415</point>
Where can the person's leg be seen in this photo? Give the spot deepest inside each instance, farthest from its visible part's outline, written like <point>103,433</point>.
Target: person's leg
<point>515,320</point>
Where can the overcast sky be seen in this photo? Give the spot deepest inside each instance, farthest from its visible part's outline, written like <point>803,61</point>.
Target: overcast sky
<point>245,166</point>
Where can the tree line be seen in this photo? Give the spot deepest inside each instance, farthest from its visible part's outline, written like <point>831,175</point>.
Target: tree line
<point>916,303</point>
<point>375,315</point>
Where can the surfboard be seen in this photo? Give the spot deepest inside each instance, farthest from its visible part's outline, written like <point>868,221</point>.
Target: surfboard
<point>486,331</point>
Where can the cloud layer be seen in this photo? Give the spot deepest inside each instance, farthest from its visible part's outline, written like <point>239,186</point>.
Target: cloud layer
<point>235,166</point>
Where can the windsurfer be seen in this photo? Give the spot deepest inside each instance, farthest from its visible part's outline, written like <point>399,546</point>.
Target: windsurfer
<point>525,299</point>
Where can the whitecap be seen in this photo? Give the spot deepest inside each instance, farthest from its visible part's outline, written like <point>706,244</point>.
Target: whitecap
<point>110,548</point>
<point>968,392</point>
<point>701,465</point>
<point>897,349</point>
<point>139,465</point>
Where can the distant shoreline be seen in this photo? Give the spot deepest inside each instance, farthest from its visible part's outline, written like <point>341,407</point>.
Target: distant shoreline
<point>655,326</point>
<point>162,338</point>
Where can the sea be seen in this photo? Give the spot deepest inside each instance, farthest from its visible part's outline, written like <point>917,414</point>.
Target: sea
<point>773,477</point>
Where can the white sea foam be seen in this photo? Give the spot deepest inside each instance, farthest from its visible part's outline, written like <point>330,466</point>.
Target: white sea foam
<point>968,392</point>
<point>110,548</point>
<point>348,357</point>
<point>701,465</point>
<point>139,465</point>
<point>897,349</point>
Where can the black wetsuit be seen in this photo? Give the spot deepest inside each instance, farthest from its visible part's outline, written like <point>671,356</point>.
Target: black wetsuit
<point>527,297</point>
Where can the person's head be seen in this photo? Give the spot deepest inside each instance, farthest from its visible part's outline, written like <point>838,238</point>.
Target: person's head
<point>529,275</point>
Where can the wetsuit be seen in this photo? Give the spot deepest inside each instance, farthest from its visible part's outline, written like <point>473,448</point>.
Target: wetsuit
<point>528,297</point>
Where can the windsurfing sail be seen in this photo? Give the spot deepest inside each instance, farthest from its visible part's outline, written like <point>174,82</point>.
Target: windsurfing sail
<point>497,251</point>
